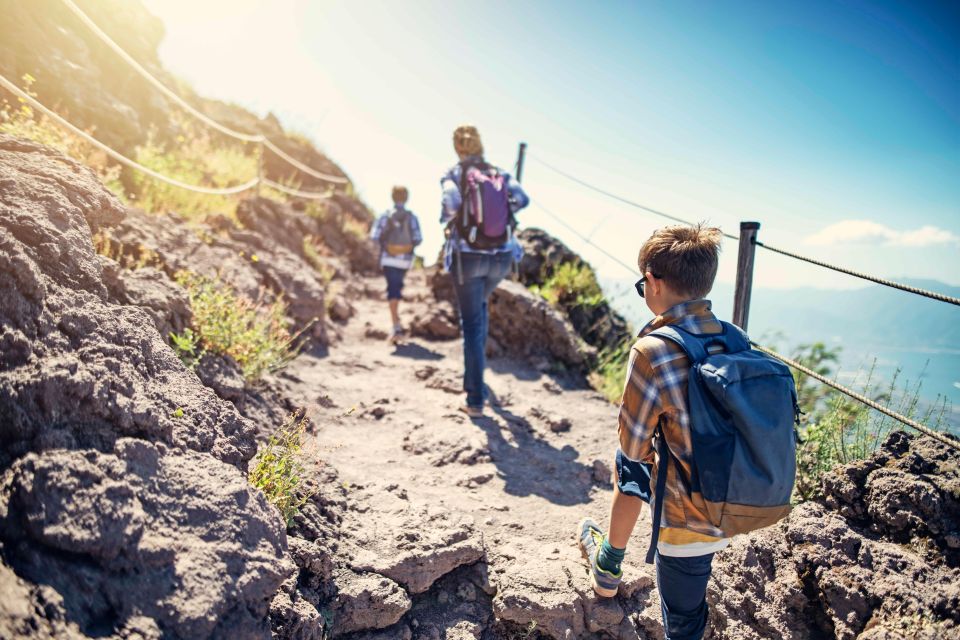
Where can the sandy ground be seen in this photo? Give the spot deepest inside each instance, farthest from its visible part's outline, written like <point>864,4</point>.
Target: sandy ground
<point>387,419</point>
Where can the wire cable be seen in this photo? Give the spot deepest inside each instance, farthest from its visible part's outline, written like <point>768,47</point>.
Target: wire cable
<point>119,157</point>
<point>166,91</point>
<point>792,363</point>
<point>857,274</point>
<point>865,276</point>
<point>913,424</point>
<point>632,270</point>
<point>614,196</point>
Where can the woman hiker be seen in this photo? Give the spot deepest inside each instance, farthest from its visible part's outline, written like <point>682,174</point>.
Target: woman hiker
<point>478,205</point>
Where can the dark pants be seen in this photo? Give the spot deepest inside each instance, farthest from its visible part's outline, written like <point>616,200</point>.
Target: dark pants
<point>481,274</point>
<point>394,281</point>
<point>682,583</point>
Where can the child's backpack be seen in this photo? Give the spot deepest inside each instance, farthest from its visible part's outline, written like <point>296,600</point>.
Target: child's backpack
<point>484,220</point>
<point>743,408</point>
<point>397,238</point>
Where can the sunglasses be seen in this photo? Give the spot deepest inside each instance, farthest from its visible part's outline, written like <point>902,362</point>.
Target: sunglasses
<point>641,281</point>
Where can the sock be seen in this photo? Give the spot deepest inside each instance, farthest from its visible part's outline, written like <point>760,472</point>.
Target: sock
<point>609,557</point>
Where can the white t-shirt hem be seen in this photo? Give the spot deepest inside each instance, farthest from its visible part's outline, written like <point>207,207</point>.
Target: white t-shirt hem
<point>691,549</point>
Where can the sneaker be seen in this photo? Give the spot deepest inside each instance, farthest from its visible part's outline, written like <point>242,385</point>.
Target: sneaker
<point>590,537</point>
<point>396,335</point>
<point>472,412</point>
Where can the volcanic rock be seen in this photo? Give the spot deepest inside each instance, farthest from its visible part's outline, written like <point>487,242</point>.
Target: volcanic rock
<point>122,478</point>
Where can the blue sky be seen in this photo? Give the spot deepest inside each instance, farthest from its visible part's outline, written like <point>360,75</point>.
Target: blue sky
<point>837,125</point>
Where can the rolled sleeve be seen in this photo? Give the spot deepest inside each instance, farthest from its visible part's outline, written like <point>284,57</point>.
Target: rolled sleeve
<point>415,231</point>
<point>451,199</point>
<point>639,410</point>
<point>518,197</point>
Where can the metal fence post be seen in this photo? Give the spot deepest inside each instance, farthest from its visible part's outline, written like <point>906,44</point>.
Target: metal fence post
<point>741,296</point>
<point>520,155</point>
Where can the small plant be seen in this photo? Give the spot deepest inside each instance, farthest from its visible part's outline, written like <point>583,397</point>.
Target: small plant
<point>128,257</point>
<point>836,429</point>
<point>572,284</point>
<point>312,253</point>
<point>195,157</point>
<point>254,335</point>
<point>354,228</point>
<point>278,470</point>
<point>187,346</point>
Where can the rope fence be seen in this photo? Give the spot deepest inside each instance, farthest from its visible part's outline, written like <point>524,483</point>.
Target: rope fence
<point>865,276</point>
<point>873,404</point>
<point>859,397</point>
<point>308,195</point>
<point>253,183</point>
<point>116,155</point>
<point>186,106</point>
<point>857,274</point>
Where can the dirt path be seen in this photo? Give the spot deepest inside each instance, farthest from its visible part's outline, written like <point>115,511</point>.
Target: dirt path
<point>524,475</point>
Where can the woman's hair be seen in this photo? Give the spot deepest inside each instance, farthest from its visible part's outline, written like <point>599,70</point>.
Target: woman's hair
<point>466,141</point>
<point>399,195</point>
<point>685,257</point>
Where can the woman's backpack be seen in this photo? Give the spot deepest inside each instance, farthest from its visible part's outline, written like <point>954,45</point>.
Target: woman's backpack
<point>484,220</point>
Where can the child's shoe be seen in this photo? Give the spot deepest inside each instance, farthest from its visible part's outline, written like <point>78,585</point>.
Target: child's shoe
<point>590,537</point>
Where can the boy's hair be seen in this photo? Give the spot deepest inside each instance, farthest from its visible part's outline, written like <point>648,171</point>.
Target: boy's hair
<point>466,141</point>
<point>685,257</point>
<point>399,195</point>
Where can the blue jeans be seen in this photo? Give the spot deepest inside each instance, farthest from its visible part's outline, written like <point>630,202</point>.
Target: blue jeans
<point>394,282</point>
<point>682,583</point>
<point>481,274</point>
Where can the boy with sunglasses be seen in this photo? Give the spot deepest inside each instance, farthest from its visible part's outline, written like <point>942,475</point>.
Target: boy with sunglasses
<point>678,265</point>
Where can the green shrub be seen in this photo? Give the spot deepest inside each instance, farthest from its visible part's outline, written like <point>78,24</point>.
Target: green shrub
<point>572,284</point>
<point>195,158</point>
<point>836,429</point>
<point>279,470</point>
<point>224,322</point>
<point>610,373</point>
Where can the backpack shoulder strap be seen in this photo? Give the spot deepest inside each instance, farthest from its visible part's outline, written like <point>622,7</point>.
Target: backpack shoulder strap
<point>663,462</point>
<point>691,344</point>
<point>732,339</point>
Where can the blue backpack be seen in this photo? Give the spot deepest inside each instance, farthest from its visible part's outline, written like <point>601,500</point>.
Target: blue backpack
<point>743,408</point>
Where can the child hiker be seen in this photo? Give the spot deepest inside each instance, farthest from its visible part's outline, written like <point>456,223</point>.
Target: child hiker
<point>707,474</point>
<point>478,205</point>
<point>398,232</point>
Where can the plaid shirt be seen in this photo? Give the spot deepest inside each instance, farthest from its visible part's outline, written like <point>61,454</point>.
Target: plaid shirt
<point>656,393</point>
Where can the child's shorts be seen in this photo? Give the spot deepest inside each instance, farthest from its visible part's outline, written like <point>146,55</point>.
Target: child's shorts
<point>633,478</point>
<point>394,281</point>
